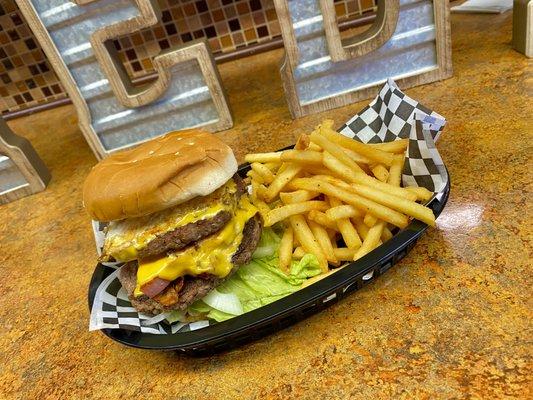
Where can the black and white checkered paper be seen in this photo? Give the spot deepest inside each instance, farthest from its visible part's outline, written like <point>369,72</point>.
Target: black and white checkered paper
<point>423,165</point>
<point>390,116</point>
<point>393,115</point>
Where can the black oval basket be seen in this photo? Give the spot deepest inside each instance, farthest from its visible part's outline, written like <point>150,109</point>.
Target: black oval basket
<point>281,313</point>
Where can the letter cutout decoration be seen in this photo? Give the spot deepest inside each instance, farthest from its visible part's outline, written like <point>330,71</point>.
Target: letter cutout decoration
<point>113,114</point>
<point>523,27</point>
<point>22,172</point>
<point>408,42</point>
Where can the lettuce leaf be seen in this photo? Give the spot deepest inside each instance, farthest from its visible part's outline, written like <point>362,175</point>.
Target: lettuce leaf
<point>299,271</point>
<point>268,244</point>
<point>261,281</point>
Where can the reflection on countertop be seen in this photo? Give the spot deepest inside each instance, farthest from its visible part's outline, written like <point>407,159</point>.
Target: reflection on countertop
<point>451,320</point>
<point>460,217</point>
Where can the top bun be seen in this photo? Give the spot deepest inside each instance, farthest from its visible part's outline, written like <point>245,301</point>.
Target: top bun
<point>158,174</point>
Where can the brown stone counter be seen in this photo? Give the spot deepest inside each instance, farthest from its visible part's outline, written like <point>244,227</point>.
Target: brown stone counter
<point>449,321</point>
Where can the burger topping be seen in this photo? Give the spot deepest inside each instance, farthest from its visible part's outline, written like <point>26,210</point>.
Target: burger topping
<point>154,287</point>
<point>171,294</point>
<point>209,256</point>
<point>194,287</point>
<point>126,238</point>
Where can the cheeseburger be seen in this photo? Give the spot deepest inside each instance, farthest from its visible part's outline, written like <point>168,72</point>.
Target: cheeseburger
<point>179,217</point>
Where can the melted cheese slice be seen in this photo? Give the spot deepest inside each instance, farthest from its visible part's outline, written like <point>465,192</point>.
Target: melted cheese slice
<point>212,255</point>
<point>125,238</point>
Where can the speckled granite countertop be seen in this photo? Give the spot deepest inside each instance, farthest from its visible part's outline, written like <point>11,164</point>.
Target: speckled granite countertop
<point>450,321</point>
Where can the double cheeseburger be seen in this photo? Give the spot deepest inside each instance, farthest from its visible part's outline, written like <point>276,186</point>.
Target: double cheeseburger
<point>178,214</point>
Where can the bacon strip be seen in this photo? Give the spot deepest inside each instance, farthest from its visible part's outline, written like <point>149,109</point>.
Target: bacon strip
<point>154,287</point>
<point>170,295</point>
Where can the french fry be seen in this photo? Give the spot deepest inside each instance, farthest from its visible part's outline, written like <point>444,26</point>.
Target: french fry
<point>263,208</point>
<point>263,171</point>
<point>295,242</point>
<point>303,142</point>
<point>261,190</point>
<point>343,211</point>
<point>395,171</point>
<point>371,241</point>
<point>344,253</point>
<point>398,146</point>
<point>334,181</point>
<point>370,220</point>
<point>263,157</point>
<point>380,172</point>
<point>361,178</point>
<point>282,167</point>
<point>336,151</point>
<point>285,250</point>
<point>298,252</point>
<point>399,204</point>
<point>281,179</point>
<point>386,234</point>
<point>322,219</point>
<point>284,212</point>
<point>362,229</point>
<point>297,196</point>
<point>307,240</point>
<point>367,151</point>
<point>358,158</point>
<point>323,240</point>
<point>302,157</point>
<point>385,187</point>
<point>272,166</point>
<point>289,187</point>
<point>316,170</point>
<point>255,176</point>
<point>382,212</point>
<point>348,232</point>
<point>314,147</point>
<point>421,193</point>
<point>338,168</point>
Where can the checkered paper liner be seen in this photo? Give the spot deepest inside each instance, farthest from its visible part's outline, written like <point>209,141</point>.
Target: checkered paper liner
<point>390,116</point>
<point>393,115</point>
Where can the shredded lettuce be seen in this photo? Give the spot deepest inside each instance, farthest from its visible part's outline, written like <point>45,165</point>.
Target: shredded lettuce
<point>228,303</point>
<point>268,244</point>
<point>299,271</point>
<point>256,284</point>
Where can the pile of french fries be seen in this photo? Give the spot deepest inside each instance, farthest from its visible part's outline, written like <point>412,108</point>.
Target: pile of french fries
<point>331,187</point>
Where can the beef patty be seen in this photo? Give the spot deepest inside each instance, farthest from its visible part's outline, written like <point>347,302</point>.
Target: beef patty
<point>185,291</point>
<point>181,237</point>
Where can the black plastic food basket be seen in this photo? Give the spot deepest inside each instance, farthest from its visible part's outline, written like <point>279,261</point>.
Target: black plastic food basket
<point>281,313</point>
